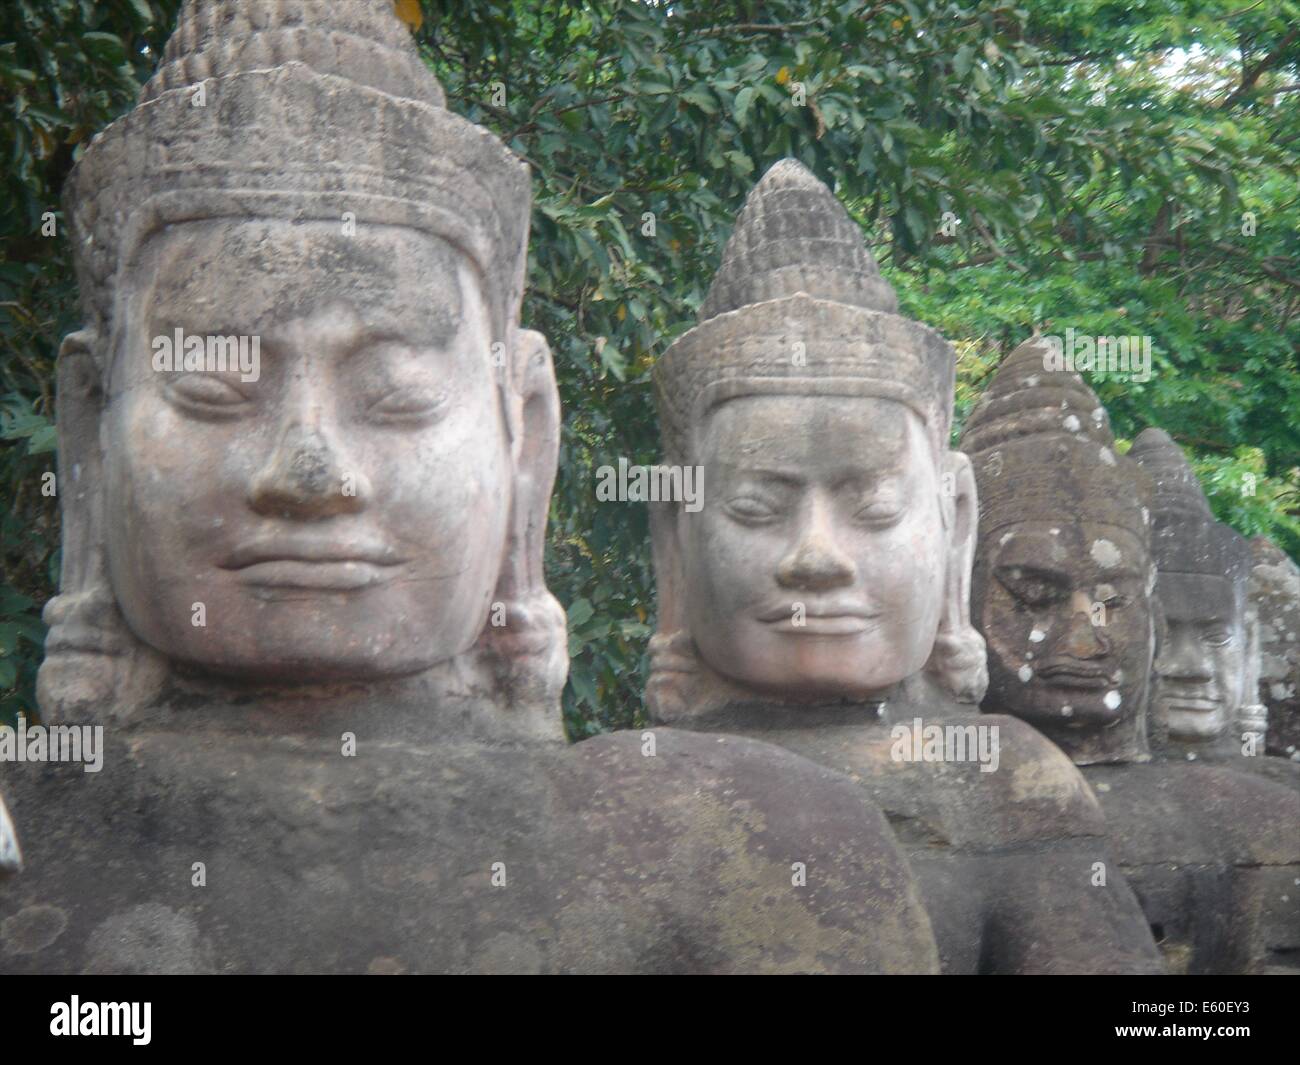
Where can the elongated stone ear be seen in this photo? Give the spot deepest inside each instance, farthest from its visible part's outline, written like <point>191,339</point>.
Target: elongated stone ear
<point>524,643</point>
<point>674,662</point>
<point>86,634</point>
<point>959,660</point>
<point>11,858</point>
<point>1252,714</point>
<point>91,657</point>
<point>1157,724</point>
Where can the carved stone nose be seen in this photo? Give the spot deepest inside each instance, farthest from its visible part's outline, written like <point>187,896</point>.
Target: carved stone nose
<point>1184,661</point>
<point>1083,639</point>
<point>304,479</point>
<point>815,564</point>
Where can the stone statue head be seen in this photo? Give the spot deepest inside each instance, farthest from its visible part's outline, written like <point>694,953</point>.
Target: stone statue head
<point>1275,597</point>
<point>1208,661</point>
<point>830,559</point>
<point>362,493</point>
<point>1063,580</point>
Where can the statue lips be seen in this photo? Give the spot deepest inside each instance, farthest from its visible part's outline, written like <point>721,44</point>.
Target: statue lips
<point>280,561</point>
<point>820,619</point>
<point>1188,698</point>
<point>1077,675</point>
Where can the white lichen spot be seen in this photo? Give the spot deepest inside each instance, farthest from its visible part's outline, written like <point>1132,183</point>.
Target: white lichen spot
<point>1112,699</point>
<point>1072,424</point>
<point>1067,710</point>
<point>1107,457</point>
<point>1098,416</point>
<point>1025,674</point>
<point>1037,636</point>
<point>1105,553</point>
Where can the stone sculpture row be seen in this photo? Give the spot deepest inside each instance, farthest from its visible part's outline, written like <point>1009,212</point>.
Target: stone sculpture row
<point>891,731</point>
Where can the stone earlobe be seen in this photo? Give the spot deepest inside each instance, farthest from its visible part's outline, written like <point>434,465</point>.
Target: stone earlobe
<point>524,644</point>
<point>959,659</point>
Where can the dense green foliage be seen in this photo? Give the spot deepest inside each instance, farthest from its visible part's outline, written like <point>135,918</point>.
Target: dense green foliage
<point>1056,164</point>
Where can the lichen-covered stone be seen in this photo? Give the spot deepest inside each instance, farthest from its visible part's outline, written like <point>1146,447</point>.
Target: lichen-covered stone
<point>1063,590</point>
<point>246,846</point>
<point>304,597</point>
<point>820,597</point>
<point>1275,594</point>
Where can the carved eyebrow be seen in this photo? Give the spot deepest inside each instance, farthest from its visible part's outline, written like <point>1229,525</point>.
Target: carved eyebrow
<point>877,481</point>
<point>387,332</point>
<point>1031,572</point>
<point>1214,620</point>
<point>784,477</point>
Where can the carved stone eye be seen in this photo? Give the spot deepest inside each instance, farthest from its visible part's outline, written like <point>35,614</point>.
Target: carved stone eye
<point>751,510</point>
<point>1031,590</point>
<point>207,393</point>
<point>879,514</point>
<point>408,404</point>
<point>1216,637</point>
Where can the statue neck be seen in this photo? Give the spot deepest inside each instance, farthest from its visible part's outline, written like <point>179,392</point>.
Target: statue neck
<point>442,705</point>
<point>1124,741</point>
<point>1224,747</point>
<point>690,695</point>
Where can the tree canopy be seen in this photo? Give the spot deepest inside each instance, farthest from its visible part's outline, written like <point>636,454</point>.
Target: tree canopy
<point>1112,168</point>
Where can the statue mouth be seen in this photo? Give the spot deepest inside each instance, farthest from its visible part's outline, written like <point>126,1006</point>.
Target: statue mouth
<point>1187,702</point>
<point>829,619</point>
<point>1077,675</point>
<point>304,563</point>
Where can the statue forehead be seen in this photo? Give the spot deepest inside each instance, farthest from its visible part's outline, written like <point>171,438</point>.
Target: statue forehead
<point>261,269</point>
<point>865,431</point>
<point>1198,597</point>
<point>1082,549</point>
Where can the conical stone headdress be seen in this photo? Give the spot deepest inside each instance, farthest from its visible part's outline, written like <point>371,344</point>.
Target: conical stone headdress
<point>1042,448</point>
<point>276,109</point>
<point>798,305</point>
<point>1186,537</point>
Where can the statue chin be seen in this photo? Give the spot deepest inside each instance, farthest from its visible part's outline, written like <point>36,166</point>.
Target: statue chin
<point>1195,724</point>
<point>815,668</point>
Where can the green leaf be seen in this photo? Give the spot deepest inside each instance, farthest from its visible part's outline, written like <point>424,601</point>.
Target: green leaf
<point>104,46</point>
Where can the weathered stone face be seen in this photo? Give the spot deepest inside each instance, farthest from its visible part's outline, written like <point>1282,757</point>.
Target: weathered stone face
<point>365,495</point>
<point>1208,661</point>
<point>1063,577</point>
<point>1067,614</point>
<point>1275,595</point>
<point>344,514</point>
<point>810,569</point>
<point>831,558</point>
<point>1202,661</point>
